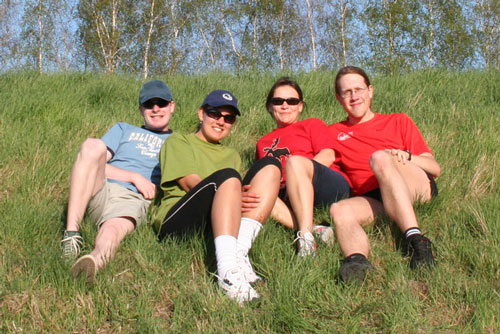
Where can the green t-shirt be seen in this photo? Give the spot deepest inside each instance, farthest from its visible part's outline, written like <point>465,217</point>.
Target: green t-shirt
<point>183,155</point>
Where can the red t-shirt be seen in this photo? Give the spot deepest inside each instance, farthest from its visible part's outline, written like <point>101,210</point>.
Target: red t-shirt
<point>356,143</point>
<point>305,138</point>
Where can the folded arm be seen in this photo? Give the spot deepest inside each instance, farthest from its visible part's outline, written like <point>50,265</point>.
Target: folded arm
<point>426,160</point>
<point>325,157</point>
<point>188,182</point>
<point>145,186</point>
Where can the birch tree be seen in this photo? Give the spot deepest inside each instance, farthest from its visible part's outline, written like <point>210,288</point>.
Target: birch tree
<point>390,31</point>
<point>9,42</point>
<point>430,15</point>
<point>454,47</point>
<point>312,33</point>
<point>486,30</point>
<point>289,41</point>
<point>150,18</point>
<point>102,27</point>
<point>338,33</point>
<point>38,33</point>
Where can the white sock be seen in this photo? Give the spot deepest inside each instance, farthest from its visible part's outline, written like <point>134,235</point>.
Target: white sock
<point>225,252</point>
<point>412,231</point>
<point>249,229</point>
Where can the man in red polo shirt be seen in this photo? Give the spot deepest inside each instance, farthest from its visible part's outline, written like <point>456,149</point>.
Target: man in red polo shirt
<point>390,167</point>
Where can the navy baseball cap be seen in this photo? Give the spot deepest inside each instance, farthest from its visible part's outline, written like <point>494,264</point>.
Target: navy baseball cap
<point>221,98</point>
<point>155,89</point>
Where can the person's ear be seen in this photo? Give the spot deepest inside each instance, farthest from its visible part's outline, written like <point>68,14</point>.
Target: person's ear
<point>200,114</point>
<point>301,107</point>
<point>171,106</point>
<point>338,98</point>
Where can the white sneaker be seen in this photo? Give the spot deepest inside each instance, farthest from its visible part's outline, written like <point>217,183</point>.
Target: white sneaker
<point>306,246</point>
<point>324,234</point>
<point>236,287</point>
<point>246,269</point>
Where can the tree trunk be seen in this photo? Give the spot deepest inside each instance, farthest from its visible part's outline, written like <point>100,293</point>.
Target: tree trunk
<point>40,37</point>
<point>311,31</point>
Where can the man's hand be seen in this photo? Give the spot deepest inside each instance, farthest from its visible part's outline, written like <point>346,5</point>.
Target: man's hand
<point>401,155</point>
<point>249,200</point>
<point>145,187</point>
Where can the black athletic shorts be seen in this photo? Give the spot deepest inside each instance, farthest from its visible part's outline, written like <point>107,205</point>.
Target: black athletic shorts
<point>193,210</point>
<point>329,186</point>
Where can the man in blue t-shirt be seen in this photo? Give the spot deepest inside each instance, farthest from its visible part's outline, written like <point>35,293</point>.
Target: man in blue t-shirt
<point>114,180</point>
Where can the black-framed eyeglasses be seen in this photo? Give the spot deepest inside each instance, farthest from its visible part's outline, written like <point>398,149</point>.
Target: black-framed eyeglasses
<point>149,104</point>
<point>215,114</point>
<point>291,101</point>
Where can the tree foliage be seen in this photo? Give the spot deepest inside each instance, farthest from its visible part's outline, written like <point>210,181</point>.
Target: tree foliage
<point>191,36</point>
<point>486,29</point>
<point>9,42</point>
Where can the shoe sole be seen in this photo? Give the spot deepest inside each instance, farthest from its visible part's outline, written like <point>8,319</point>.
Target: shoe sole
<point>355,272</point>
<point>423,264</point>
<point>85,265</point>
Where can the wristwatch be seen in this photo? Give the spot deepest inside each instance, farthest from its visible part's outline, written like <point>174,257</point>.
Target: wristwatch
<point>409,154</point>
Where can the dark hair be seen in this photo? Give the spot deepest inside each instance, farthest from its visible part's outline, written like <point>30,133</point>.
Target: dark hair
<point>284,81</point>
<point>349,70</point>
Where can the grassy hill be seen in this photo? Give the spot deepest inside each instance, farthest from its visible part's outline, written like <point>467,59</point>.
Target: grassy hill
<point>159,288</point>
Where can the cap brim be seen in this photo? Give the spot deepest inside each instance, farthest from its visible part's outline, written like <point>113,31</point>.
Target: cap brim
<point>224,105</point>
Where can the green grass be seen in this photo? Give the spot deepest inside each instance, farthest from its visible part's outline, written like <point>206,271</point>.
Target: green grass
<point>158,288</point>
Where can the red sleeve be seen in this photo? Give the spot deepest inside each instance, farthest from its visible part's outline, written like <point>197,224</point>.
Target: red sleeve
<point>320,137</point>
<point>412,138</point>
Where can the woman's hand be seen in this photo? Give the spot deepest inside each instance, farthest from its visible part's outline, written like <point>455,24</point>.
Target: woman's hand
<point>249,200</point>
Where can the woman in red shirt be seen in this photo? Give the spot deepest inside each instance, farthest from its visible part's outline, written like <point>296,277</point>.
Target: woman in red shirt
<point>310,178</point>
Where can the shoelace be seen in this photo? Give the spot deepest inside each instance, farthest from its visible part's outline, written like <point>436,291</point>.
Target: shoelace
<point>75,242</point>
<point>301,237</point>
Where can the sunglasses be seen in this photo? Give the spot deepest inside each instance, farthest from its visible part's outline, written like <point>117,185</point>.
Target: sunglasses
<point>149,104</point>
<point>292,101</point>
<point>215,114</point>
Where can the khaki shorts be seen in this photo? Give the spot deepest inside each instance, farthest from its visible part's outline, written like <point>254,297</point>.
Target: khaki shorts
<point>113,201</point>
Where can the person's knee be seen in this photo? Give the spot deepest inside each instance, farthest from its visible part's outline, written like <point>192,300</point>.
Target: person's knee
<point>381,161</point>
<point>341,213</point>
<point>264,168</point>
<point>271,173</point>
<point>116,229</point>
<point>296,161</point>
<point>230,178</point>
<point>93,149</point>
<point>298,164</point>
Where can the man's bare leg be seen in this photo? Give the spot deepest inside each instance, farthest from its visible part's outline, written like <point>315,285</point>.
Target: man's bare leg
<point>87,177</point>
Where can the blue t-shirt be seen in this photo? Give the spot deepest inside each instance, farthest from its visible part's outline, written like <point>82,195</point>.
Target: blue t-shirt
<point>135,149</point>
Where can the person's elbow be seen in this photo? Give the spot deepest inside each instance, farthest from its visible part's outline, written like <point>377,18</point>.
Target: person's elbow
<point>436,169</point>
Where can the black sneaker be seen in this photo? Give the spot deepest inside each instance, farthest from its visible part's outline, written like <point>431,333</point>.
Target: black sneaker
<point>354,268</point>
<point>420,250</point>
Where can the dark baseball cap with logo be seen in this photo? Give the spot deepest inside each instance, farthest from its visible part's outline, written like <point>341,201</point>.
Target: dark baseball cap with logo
<point>221,98</point>
<point>155,89</point>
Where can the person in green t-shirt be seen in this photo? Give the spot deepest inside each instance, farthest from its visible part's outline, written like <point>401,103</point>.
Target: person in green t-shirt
<point>201,187</point>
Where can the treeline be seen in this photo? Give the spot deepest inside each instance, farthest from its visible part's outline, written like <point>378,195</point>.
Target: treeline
<point>195,36</point>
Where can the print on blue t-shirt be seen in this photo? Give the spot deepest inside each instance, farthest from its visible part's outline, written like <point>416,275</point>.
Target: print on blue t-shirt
<point>135,149</point>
